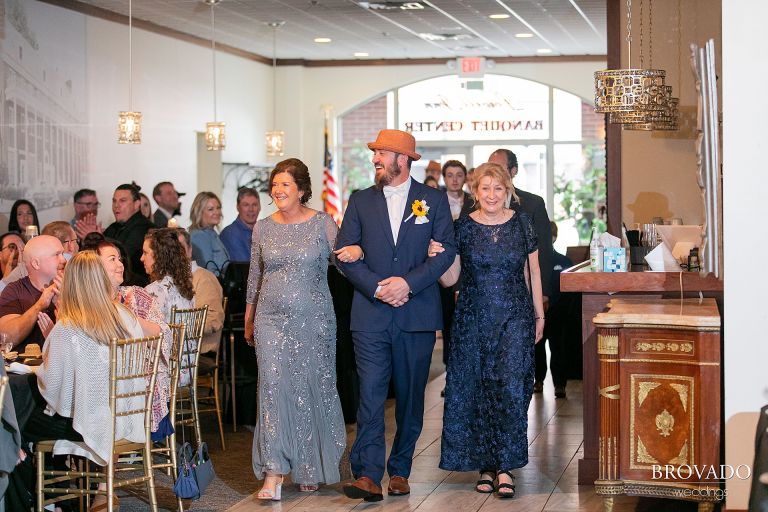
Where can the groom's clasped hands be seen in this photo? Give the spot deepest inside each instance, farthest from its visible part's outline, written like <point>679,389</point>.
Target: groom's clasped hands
<point>393,290</point>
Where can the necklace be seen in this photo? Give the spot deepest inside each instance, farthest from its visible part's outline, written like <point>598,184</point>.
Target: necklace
<point>495,227</point>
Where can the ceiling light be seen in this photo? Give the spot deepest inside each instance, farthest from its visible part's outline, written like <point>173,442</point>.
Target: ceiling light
<point>361,54</point>
<point>323,39</point>
<point>275,138</point>
<point>499,16</point>
<point>524,35</point>
<point>543,51</point>
<point>215,135</point>
<point>129,122</point>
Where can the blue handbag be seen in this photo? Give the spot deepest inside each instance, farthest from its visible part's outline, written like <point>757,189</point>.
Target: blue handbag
<point>186,486</point>
<point>203,468</point>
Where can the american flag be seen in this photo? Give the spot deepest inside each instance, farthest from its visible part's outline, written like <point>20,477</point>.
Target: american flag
<point>331,194</point>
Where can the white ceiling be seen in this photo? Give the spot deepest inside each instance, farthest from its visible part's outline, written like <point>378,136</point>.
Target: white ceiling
<point>383,29</point>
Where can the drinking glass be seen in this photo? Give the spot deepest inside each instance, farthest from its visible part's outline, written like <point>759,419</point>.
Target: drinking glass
<point>30,233</point>
<point>6,346</point>
<point>649,235</point>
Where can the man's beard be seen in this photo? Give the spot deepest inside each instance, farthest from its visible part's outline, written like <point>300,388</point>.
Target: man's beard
<point>389,174</point>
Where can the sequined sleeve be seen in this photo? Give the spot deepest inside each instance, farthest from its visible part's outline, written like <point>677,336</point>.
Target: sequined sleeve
<point>331,232</point>
<point>254,273</point>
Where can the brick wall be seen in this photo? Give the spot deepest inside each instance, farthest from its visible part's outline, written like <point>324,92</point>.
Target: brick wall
<point>363,123</point>
<point>592,124</point>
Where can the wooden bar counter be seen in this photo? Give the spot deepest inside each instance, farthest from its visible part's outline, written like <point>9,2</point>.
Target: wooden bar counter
<point>597,289</point>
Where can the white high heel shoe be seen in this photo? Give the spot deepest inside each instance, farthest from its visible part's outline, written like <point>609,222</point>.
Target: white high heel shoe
<point>273,495</point>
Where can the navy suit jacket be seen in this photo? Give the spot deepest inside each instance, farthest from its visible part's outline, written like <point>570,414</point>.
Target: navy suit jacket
<point>366,223</point>
<point>534,206</point>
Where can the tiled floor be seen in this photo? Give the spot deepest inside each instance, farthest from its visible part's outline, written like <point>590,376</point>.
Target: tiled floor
<point>548,483</point>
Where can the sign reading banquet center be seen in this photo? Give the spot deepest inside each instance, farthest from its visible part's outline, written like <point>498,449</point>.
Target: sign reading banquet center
<point>450,108</point>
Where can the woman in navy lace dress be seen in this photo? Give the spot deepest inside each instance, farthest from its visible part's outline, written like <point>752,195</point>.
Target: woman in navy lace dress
<point>499,317</point>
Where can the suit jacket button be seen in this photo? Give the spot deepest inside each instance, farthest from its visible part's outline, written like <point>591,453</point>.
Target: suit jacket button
<point>395,259</point>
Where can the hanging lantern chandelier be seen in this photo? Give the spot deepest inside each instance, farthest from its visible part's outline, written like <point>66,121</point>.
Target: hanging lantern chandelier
<point>631,90</point>
<point>215,135</point>
<point>129,121</point>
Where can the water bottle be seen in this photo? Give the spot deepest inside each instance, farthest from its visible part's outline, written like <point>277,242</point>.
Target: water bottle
<point>595,256</point>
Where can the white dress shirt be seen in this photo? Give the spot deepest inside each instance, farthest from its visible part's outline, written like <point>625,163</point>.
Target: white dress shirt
<point>396,198</point>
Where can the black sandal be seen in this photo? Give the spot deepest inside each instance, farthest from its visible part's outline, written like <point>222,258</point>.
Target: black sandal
<point>486,481</point>
<point>509,489</point>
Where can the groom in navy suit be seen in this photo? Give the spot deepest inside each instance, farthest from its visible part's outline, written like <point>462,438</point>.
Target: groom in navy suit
<point>396,309</point>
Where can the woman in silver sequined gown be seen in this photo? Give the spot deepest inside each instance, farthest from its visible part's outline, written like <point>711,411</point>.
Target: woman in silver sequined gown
<point>290,319</point>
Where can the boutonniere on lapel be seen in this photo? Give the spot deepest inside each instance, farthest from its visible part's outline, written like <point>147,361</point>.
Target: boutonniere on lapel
<point>419,209</point>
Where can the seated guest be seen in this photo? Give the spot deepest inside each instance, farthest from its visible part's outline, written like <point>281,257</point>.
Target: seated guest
<point>129,227</point>
<point>168,204</point>
<point>62,230</point>
<point>86,206</point>
<point>23,215</point>
<point>23,300</point>
<point>207,249</point>
<point>208,291</point>
<point>146,309</point>
<point>11,247</point>
<point>237,236</point>
<point>146,207</point>
<point>59,229</point>
<point>169,270</point>
<point>74,377</point>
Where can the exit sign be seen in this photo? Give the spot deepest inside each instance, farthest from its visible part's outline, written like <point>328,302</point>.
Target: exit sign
<point>471,66</point>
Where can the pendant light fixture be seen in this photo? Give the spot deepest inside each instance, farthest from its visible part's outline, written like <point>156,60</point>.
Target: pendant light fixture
<point>128,121</point>
<point>275,138</point>
<point>649,120</point>
<point>629,90</point>
<point>215,136</point>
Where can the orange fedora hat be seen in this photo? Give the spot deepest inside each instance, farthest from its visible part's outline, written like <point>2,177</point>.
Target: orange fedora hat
<point>396,141</point>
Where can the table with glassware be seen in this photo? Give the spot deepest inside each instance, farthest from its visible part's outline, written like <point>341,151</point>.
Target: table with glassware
<point>597,289</point>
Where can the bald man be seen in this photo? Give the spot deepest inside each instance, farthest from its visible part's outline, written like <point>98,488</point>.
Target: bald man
<point>23,300</point>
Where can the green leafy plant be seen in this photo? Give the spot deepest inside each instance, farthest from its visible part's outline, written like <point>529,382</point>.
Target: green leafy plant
<point>583,200</point>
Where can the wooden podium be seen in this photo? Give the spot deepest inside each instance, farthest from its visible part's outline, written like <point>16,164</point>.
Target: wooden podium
<point>659,400</point>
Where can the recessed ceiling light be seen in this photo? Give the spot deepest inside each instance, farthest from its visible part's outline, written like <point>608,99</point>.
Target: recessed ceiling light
<point>323,39</point>
<point>499,16</point>
<point>543,50</point>
<point>361,54</point>
<point>524,35</point>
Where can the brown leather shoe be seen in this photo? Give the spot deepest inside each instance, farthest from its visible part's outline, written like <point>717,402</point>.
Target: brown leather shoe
<point>363,488</point>
<point>398,486</point>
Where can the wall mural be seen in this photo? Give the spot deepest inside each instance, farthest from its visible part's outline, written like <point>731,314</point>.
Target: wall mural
<point>43,92</point>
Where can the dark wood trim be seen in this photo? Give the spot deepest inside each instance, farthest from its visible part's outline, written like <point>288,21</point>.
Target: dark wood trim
<point>425,62</point>
<point>105,14</point>
<point>613,131</point>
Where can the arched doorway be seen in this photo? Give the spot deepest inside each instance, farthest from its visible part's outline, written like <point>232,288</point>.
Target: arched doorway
<point>557,137</point>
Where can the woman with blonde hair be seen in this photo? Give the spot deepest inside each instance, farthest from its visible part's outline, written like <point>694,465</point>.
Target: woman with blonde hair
<point>207,248</point>
<point>499,318</point>
<point>74,376</point>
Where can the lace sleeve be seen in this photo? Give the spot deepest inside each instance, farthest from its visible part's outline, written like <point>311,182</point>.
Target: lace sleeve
<point>331,232</point>
<point>254,272</point>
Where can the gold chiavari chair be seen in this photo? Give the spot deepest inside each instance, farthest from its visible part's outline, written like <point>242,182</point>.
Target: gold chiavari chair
<point>130,360</point>
<point>210,383</point>
<point>164,453</point>
<point>186,410</point>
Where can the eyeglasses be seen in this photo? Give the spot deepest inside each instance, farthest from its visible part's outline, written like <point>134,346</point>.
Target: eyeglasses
<point>10,246</point>
<point>89,204</point>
